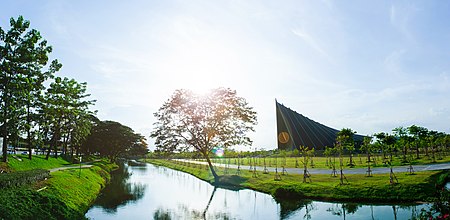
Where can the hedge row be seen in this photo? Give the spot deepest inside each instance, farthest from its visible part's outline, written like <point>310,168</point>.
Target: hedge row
<point>21,178</point>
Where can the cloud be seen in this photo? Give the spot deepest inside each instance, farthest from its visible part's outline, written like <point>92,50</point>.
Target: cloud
<point>400,17</point>
<point>392,62</point>
<point>311,41</point>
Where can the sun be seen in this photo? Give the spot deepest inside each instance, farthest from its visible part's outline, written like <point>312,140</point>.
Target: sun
<point>200,83</point>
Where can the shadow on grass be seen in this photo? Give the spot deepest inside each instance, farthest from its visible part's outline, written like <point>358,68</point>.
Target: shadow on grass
<point>231,182</point>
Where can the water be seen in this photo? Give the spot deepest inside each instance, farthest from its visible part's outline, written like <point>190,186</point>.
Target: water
<point>151,192</point>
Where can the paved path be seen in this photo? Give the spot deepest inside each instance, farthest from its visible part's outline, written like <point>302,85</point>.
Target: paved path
<point>83,165</point>
<point>69,167</point>
<point>376,170</point>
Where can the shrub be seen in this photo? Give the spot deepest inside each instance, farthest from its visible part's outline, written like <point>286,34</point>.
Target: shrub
<point>21,178</point>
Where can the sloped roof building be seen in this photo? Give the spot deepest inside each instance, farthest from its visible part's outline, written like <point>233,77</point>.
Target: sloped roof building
<point>295,130</point>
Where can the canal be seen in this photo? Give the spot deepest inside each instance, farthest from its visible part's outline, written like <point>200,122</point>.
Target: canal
<point>152,192</point>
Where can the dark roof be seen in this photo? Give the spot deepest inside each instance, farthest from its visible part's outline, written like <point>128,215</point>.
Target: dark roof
<point>303,131</point>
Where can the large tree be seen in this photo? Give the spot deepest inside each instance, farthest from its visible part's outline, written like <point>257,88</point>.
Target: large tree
<point>23,56</point>
<point>203,122</point>
<point>66,110</point>
<point>112,139</point>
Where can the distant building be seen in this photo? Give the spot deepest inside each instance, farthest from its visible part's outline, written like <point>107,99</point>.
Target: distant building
<point>295,130</point>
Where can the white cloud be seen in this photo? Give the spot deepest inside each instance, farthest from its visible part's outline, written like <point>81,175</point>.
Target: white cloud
<point>401,16</point>
<point>312,42</point>
<point>393,62</point>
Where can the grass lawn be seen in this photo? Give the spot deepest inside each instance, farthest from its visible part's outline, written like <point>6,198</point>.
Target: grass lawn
<point>38,162</point>
<point>410,188</point>
<point>321,162</point>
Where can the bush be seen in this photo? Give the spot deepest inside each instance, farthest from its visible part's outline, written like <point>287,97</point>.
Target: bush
<point>22,178</point>
<point>24,203</point>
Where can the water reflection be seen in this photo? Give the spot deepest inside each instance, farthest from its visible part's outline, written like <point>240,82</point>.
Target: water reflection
<point>152,192</point>
<point>120,191</point>
<point>288,206</point>
<point>183,212</point>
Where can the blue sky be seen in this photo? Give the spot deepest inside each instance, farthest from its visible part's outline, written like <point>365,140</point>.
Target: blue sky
<point>367,65</point>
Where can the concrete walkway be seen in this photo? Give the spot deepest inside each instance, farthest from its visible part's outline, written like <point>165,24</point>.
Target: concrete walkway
<point>69,167</point>
<point>83,165</point>
<point>376,170</point>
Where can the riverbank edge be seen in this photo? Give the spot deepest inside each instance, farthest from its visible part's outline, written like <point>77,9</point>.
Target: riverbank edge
<point>67,194</point>
<point>79,192</point>
<point>415,193</point>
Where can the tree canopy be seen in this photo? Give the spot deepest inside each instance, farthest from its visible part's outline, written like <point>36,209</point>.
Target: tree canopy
<point>112,139</point>
<point>55,116</point>
<point>203,122</point>
<point>23,70</point>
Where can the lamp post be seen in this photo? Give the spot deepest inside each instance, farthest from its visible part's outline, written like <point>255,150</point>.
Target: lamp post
<point>79,174</point>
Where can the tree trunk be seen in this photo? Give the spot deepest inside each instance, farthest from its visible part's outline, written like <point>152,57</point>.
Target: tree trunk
<point>6,97</point>
<point>404,153</point>
<point>56,151</point>
<point>29,146</point>
<point>48,152</point>
<point>5,134</point>
<point>77,152</point>
<point>29,133</point>
<point>390,153</point>
<point>209,203</point>
<point>5,144</point>
<point>417,152</point>
<point>216,177</point>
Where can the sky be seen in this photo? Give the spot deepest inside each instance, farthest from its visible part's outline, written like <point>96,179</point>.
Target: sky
<point>366,65</point>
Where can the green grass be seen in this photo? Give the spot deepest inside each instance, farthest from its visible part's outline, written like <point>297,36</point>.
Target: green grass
<point>410,188</point>
<point>63,196</point>
<point>26,203</point>
<point>38,162</point>
<point>320,162</point>
<point>76,192</point>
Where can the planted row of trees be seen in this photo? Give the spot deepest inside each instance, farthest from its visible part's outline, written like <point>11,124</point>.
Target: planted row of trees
<point>409,143</point>
<point>50,112</point>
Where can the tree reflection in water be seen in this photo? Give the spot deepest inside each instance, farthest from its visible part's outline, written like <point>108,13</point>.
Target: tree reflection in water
<point>119,192</point>
<point>344,209</point>
<point>183,212</point>
<point>289,206</point>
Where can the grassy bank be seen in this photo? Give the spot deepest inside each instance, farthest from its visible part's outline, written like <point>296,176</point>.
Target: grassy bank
<point>64,195</point>
<point>359,161</point>
<point>410,188</point>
